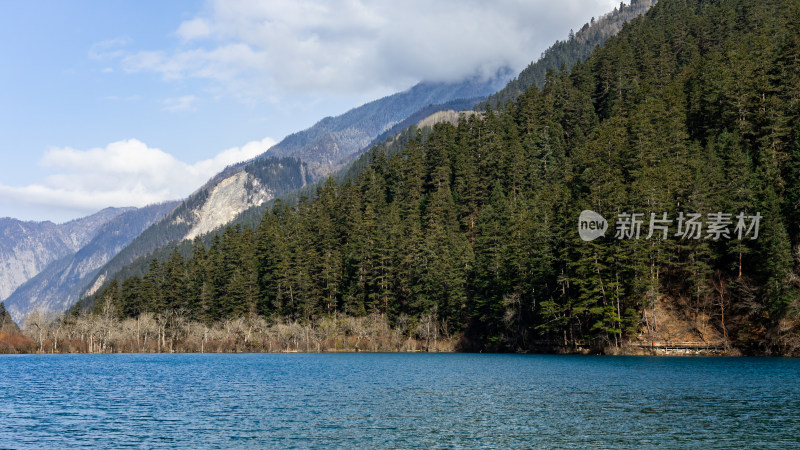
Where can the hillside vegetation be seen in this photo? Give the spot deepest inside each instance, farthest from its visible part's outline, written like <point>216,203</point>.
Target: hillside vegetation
<point>564,54</point>
<point>266,178</point>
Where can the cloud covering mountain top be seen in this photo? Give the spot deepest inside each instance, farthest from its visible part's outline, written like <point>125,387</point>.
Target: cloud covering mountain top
<point>270,49</point>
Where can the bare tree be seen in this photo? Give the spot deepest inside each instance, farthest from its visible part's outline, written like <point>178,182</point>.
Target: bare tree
<point>172,331</point>
<point>428,329</point>
<point>36,325</point>
<point>400,331</point>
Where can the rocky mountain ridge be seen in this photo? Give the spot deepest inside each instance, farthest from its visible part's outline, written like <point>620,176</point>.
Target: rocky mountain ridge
<point>60,283</point>
<point>26,248</point>
<point>333,140</point>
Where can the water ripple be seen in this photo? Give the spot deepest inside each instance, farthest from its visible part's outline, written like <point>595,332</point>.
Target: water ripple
<point>396,400</point>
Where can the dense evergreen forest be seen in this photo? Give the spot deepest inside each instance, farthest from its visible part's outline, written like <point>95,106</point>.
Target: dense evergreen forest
<point>564,54</point>
<point>692,108</point>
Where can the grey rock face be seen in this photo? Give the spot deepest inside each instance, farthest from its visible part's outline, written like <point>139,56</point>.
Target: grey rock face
<point>59,284</point>
<point>26,248</point>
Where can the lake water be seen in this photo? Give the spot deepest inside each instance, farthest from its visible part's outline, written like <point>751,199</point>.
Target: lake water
<point>397,400</point>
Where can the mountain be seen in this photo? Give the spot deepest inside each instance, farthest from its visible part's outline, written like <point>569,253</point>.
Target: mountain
<point>220,200</point>
<point>565,54</point>
<point>297,161</point>
<point>59,285</point>
<point>140,265</point>
<point>28,247</point>
<point>332,140</point>
<point>425,113</point>
<point>685,125</point>
<point>332,144</point>
<point>323,142</point>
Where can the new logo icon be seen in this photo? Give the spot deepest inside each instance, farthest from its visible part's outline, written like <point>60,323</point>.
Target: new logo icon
<point>591,225</point>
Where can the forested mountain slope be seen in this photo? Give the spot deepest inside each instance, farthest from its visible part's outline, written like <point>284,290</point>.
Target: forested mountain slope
<point>565,54</point>
<point>690,114</point>
<point>293,163</point>
<point>7,324</point>
<point>214,205</point>
<point>253,216</point>
<point>334,143</point>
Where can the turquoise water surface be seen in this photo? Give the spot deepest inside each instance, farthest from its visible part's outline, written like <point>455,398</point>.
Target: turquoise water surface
<point>397,400</point>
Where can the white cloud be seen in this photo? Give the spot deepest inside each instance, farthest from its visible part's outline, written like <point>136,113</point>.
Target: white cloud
<point>194,29</point>
<point>264,50</point>
<point>184,103</point>
<point>123,173</point>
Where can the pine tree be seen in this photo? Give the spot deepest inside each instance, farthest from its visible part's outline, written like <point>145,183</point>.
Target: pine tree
<point>174,286</point>
<point>197,280</point>
<point>490,283</point>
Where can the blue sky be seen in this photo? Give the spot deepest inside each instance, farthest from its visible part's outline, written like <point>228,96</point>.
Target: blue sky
<point>124,103</point>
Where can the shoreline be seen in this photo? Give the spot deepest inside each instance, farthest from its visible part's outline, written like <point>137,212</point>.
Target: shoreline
<point>629,351</point>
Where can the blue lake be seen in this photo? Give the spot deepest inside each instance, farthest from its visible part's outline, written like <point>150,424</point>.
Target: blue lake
<point>397,400</point>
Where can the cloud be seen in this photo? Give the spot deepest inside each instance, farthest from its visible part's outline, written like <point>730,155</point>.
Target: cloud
<point>184,103</point>
<point>194,29</point>
<point>109,49</point>
<point>123,173</point>
<point>279,48</point>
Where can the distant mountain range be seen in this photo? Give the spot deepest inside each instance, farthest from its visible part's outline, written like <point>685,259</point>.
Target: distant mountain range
<point>58,286</point>
<point>26,248</point>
